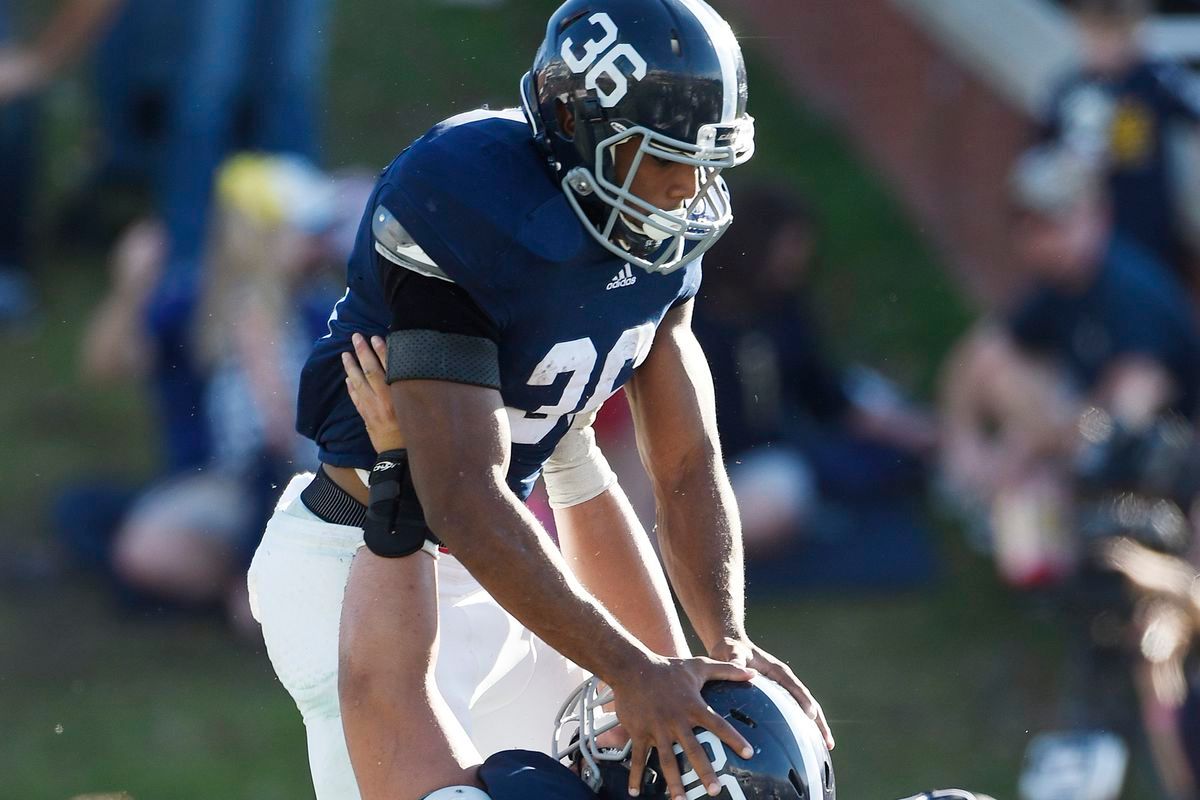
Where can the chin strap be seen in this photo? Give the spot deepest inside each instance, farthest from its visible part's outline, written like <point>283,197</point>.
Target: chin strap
<point>458,793</point>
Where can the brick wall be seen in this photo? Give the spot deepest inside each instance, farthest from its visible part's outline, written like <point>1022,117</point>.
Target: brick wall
<point>941,137</point>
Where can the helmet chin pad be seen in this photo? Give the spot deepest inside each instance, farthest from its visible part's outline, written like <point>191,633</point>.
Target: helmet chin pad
<point>653,238</point>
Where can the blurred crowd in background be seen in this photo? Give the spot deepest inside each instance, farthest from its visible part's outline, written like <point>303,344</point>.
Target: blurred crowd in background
<point>1061,437</point>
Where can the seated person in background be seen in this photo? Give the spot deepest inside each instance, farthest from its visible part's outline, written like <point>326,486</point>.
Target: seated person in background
<point>276,242</point>
<point>791,429</point>
<point>1135,119</point>
<point>1103,325</point>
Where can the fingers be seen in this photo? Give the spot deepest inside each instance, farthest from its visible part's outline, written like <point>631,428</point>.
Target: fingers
<point>371,364</point>
<point>726,671</point>
<point>354,375</point>
<point>702,771</point>
<point>637,766</point>
<point>728,734</point>
<point>670,768</point>
<point>379,345</point>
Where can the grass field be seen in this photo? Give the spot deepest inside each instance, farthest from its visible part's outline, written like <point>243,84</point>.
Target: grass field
<point>936,687</point>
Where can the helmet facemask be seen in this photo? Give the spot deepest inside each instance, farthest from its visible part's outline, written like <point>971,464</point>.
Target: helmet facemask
<point>666,73</point>
<point>581,720</point>
<point>656,239</point>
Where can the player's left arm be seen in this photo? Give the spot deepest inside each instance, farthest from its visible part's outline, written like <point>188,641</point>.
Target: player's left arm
<point>699,532</point>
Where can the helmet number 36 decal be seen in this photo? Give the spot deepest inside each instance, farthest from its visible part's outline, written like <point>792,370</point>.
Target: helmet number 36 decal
<point>691,779</point>
<point>608,51</point>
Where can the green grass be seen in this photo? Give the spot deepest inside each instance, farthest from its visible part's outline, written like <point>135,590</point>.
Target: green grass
<point>930,688</point>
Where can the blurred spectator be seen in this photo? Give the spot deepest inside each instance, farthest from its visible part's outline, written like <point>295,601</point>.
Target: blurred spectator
<point>281,228</point>
<point>135,94</point>
<point>1136,119</point>
<point>1104,325</point>
<point>247,77</point>
<point>24,70</point>
<point>1167,591</point>
<point>133,99</point>
<point>249,80</point>
<point>797,432</point>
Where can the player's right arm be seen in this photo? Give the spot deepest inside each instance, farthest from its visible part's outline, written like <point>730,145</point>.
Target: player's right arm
<point>599,533</point>
<point>457,441</point>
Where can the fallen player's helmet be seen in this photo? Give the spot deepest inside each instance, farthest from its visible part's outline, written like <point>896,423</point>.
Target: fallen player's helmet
<point>666,73</point>
<point>790,761</point>
<point>949,794</point>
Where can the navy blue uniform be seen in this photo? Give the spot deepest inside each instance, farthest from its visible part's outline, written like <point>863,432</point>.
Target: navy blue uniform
<point>1148,99</point>
<point>1132,307</point>
<point>524,775</point>
<point>570,319</point>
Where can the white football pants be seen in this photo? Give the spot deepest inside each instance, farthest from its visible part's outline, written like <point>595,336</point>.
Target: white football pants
<point>503,683</point>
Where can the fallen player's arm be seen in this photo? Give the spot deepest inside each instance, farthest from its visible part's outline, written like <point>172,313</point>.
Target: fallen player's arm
<point>401,736</point>
<point>671,395</point>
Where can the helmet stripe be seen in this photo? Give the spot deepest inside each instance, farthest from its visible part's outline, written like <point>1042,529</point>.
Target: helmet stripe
<point>804,730</point>
<point>725,45</point>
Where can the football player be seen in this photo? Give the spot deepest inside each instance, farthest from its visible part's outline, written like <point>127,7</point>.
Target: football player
<point>522,267</point>
<point>790,759</point>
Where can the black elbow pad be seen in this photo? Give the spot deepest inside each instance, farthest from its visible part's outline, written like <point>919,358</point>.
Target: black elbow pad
<point>394,526</point>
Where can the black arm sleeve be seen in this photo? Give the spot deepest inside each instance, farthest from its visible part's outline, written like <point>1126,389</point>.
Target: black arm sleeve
<point>439,333</point>
<point>419,302</point>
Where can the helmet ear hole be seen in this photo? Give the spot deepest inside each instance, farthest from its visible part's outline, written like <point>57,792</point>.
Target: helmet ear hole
<point>794,780</point>
<point>566,119</point>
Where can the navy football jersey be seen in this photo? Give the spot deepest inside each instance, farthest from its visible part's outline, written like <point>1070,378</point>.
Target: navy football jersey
<point>525,775</point>
<point>1148,100</point>
<point>573,320</point>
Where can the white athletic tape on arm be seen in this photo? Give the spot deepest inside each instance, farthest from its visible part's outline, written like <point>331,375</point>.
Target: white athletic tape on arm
<point>577,471</point>
<point>459,793</point>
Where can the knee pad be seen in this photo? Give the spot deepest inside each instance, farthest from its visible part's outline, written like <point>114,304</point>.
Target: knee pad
<point>458,793</point>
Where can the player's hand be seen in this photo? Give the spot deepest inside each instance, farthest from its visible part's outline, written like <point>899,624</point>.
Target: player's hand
<point>745,653</point>
<point>366,379</point>
<point>660,705</point>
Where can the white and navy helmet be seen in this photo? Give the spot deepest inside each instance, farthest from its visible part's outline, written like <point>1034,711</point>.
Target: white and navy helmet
<point>790,761</point>
<point>669,72</point>
<point>948,794</point>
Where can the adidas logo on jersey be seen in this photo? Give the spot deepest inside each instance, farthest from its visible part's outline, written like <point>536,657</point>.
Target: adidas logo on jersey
<point>623,278</point>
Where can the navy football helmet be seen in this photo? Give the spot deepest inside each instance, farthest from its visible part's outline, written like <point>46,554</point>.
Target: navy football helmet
<point>667,74</point>
<point>790,761</point>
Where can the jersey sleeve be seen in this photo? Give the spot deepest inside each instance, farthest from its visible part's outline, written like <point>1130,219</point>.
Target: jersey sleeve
<point>438,332</point>
<point>524,775</point>
<point>443,212</point>
<point>420,302</point>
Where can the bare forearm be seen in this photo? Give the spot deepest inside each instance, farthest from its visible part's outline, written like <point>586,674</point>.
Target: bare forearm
<point>609,551</point>
<point>701,541</point>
